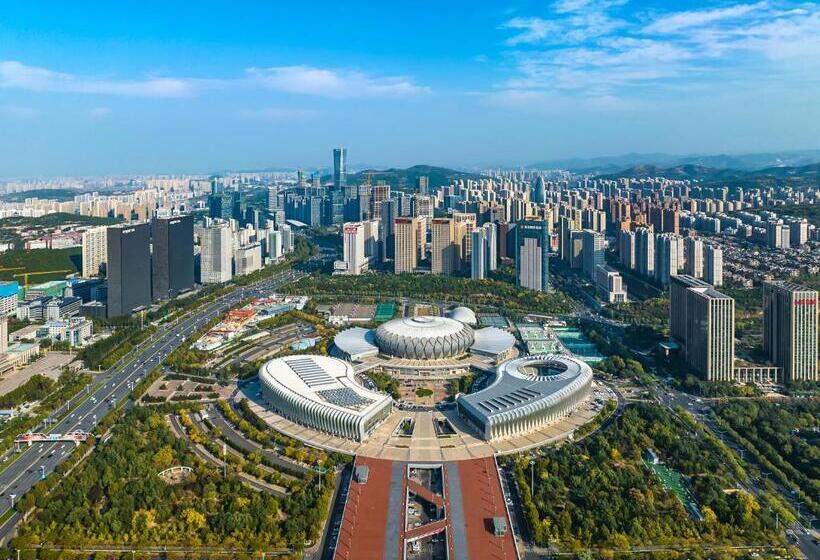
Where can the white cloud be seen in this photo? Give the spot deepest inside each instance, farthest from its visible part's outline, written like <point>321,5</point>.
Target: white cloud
<point>532,30</point>
<point>597,55</point>
<point>681,21</point>
<point>16,75</point>
<point>17,112</point>
<point>279,114</point>
<point>333,83</point>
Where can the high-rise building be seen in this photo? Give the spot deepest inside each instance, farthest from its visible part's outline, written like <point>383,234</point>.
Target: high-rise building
<point>287,238</point>
<point>667,259</point>
<point>273,199</point>
<point>532,255</point>
<point>128,268</point>
<point>626,249</point>
<point>216,255</point>
<point>694,257</point>
<point>539,192</point>
<point>8,297</point>
<point>423,185</point>
<point>594,245</point>
<point>491,233</point>
<point>172,262</point>
<point>275,247</point>
<point>790,329</point>
<point>610,284</point>
<point>710,333</point>
<point>388,214</point>
<point>713,265</point>
<point>445,246</point>
<point>355,261</point>
<point>94,250</point>
<point>339,168</point>
<point>645,251</point>
<point>247,259</point>
<point>406,250</point>
<point>677,303</point>
<point>479,265</point>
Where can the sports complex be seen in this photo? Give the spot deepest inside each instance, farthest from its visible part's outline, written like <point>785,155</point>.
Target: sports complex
<point>520,402</point>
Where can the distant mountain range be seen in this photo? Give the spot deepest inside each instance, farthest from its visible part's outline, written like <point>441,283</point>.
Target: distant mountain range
<point>742,162</point>
<point>770,175</point>
<point>405,179</point>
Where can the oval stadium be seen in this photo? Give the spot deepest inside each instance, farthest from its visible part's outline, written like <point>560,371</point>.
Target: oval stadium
<point>526,394</point>
<point>424,338</point>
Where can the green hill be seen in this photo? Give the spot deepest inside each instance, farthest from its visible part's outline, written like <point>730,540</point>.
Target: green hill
<point>405,179</point>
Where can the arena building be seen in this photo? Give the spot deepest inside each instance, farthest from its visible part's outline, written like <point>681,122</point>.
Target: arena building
<point>527,394</point>
<point>428,346</point>
<point>322,393</point>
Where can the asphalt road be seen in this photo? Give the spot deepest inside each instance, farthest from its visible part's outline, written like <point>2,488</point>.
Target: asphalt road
<point>41,459</point>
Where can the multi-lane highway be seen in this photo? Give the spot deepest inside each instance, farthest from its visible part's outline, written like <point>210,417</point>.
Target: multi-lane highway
<point>20,472</point>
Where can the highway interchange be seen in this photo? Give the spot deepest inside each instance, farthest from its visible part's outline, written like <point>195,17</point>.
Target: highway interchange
<point>21,472</point>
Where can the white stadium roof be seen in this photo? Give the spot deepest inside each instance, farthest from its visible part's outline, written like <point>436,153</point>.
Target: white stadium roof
<point>463,314</point>
<point>492,341</point>
<point>329,382</point>
<point>356,343</point>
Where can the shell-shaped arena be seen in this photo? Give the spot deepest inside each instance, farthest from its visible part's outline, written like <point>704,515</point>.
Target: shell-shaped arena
<point>322,393</point>
<point>528,393</point>
<point>424,338</point>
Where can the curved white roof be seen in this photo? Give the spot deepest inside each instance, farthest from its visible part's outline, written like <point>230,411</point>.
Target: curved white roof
<point>540,379</point>
<point>492,341</point>
<point>422,327</point>
<point>463,314</point>
<point>329,382</point>
<point>356,343</point>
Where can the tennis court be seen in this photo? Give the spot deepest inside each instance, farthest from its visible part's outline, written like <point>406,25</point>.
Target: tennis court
<point>384,312</point>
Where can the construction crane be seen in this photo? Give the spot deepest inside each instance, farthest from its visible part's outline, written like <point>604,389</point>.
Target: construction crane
<point>25,275</point>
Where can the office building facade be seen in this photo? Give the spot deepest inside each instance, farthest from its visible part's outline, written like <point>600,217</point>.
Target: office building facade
<point>172,262</point>
<point>216,255</point>
<point>129,268</point>
<point>532,255</point>
<point>406,245</point>
<point>790,329</point>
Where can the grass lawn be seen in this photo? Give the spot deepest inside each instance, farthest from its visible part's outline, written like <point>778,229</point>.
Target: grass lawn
<point>40,260</point>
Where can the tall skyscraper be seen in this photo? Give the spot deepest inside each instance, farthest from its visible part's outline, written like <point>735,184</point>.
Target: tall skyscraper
<point>388,214</point>
<point>445,248</point>
<point>216,256</point>
<point>790,329</point>
<point>539,191</point>
<point>710,333</point>
<point>713,265</point>
<point>677,303</point>
<point>594,245</point>
<point>406,250</point>
<point>645,251</point>
<point>694,257</point>
<point>423,185</point>
<point>128,268</point>
<point>273,199</point>
<point>287,238</point>
<point>353,235</point>
<point>339,168</point>
<point>532,255</point>
<point>666,251</point>
<point>491,233</point>
<point>478,263</point>
<point>626,249</point>
<point>95,250</point>
<point>172,262</point>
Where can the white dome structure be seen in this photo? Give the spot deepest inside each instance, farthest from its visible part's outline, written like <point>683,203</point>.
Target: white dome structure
<point>463,315</point>
<point>424,338</point>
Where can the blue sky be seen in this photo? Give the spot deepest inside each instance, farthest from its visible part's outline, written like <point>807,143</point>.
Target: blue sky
<point>198,87</point>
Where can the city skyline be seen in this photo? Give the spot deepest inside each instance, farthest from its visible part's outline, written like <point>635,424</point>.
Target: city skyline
<point>254,87</point>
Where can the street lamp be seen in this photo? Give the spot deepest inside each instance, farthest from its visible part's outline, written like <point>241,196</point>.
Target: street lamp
<point>532,477</point>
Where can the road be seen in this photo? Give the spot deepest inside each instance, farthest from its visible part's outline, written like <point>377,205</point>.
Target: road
<point>700,409</point>
<point>41,459</point>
